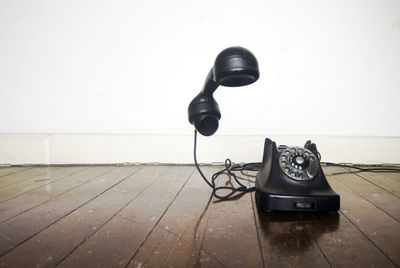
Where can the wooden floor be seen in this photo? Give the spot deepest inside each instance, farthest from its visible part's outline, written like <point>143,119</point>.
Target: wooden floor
<point>162,216</point>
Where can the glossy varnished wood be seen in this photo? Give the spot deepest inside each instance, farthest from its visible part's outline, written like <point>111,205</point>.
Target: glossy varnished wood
<point>230,238</point>
<point>43,193</point>
<point>52,175</point>
<point>126,232</point>
<point>13,177</point>
<point>4,171</point>
<point>176,240</point>
<point>164,216</point>
<point>381,228</point>
<point>24,226</point>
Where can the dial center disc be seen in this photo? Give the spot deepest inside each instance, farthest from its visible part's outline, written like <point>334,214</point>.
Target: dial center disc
<point>299,160</point>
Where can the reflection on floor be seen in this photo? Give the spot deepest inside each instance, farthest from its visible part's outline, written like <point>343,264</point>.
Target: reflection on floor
<point>162,216</point>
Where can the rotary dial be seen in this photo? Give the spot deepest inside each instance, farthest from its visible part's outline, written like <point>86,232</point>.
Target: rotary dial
<point>298,163</point>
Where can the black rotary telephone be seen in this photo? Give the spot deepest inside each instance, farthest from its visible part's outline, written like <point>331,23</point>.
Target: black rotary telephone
<point>289,178</point>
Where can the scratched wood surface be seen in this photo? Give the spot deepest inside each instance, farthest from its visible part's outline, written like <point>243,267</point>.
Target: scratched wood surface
<point>164,216</point>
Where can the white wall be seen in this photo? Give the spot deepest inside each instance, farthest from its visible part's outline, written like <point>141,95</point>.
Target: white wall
<point>328,69</point>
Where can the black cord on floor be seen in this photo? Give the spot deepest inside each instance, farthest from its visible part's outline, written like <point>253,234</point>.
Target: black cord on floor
<point>256,166</point>
<point>229,169</point>
<point>360,169</point>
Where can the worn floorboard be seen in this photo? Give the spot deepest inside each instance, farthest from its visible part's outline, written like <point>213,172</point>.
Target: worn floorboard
<point>387,181</point>
<point>39,195</point>
<point>164,216</point>
<point>176,240</point>
<point>24,174</point>
<point>381,228</point>
<point>53,175</point>
<point>230,223</point>
<point>371,191</point>
<point>126,232</point>
<point>4,171</point>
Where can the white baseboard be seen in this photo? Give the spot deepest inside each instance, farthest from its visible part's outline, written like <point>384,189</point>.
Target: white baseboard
<point>19,149</point>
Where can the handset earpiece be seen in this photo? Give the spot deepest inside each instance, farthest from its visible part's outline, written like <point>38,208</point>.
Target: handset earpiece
<point>233,67</point>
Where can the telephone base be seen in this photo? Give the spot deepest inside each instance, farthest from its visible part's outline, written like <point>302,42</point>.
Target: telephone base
<point>291,179</point>
<point>306,203</point>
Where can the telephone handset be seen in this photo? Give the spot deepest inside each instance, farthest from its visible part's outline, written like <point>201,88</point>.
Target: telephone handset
<point>291,179</point>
